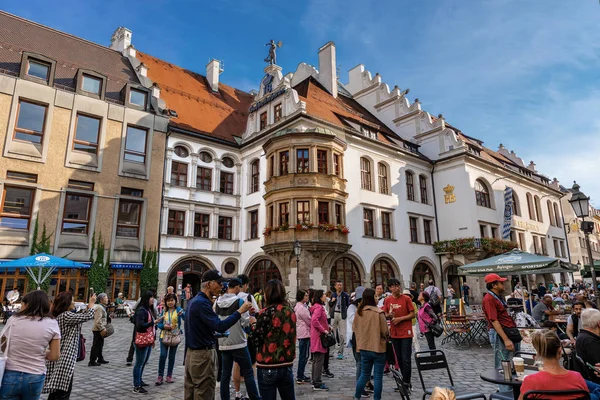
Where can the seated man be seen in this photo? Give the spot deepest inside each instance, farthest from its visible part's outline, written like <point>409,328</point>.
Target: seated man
<point>588,340</point>
<point>544,309</point>
<point>574,322</point>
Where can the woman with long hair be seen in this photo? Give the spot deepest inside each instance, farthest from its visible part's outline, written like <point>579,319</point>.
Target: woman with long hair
<point>275,334</point>
<point>303,333</point>
<point>426,318</point>
<point>318,327</point>
<point>59,378</point>
<point>170,325</point>
<point>25,339</point>
<point>144,323</point>
<point>371,332</point>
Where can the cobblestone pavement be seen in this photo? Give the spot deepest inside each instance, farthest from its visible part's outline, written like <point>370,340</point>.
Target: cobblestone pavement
<point>114,380</point>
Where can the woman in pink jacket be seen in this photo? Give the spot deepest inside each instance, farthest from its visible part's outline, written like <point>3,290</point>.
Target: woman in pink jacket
<point>318,326</point>
<point>426,317</point>
<point>303,334</point>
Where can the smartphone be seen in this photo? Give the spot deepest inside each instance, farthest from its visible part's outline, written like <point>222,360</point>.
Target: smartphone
<point>249,298</point>
<point>593,367</point>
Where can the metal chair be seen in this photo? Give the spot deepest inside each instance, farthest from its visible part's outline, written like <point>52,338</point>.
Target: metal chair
<point>556,395</point>
<point>402,387</point>
<point>502,396</point>
<point>436,359</point>
<point>461,329</point>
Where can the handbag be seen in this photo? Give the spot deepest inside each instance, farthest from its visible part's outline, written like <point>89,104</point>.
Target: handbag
<point>110,329</point>
<point>81,348</point>
<point>436,328</point>
<point>513,334</point>
<point>145,339</point>
<point>171,338</point>
<point>327,340</point>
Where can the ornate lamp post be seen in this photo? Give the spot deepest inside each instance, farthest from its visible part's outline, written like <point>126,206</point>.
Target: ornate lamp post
<point>581,203</point>
<point>297,251</point>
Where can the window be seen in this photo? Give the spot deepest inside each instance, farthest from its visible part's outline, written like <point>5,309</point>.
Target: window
<point>556,248</point>
<point>336,164</point>
<point>563,254</point>
<point>322,161</point>
<point>270,216</point>
<point>181,151</point>
<point>228,162</point>
<point>284,214</point>
<point>550,213</point>
<point>271,166</point>
<point>386,225</point>
<point>255,176</point>
<point>135,144</point>
<point>323,210</point>
<point>303,212</point>
<point>87,131</point>
<point>31,121</point>
<point>138,97</point>
<point>176,223</point>
<point>423,187</point>
<point>253,224</point>
<point>410,187</point>
<point>530,208</point>
<point>76,214</point>
<point>284,162</point>
<point>414,232</point>
<point>482,194</point>
<point>91,84</point>
<point>205,157</point>
<point>522,241</point>
<point>226,183</point>
<point>132,192</point>
<point>204,179</point>
<point>338,214</point>
<point>557,216</point>
<point>538,209</point>
<point>263,121</point>
<point>368,222</point>
<point>383,178</point>
<point>38,69</point>
<point>345,270</point>
<point>427,230</point>
<point>15,210</point>
<point>21,176</point>
<point>225,225</point>
<point>513,236</point>
<point>277,112</point>
<point>179,174</point>
<point>302,161</point>
<point>365,174</point>
<point>229,268</point>
<point>544,245</point>
<point>494,232</point>
<point>516,208</point>
<point>128,219</point>
<point>80,185</point>
<point>382,272</point>
<point>482,231</point>
<point>536,244</point>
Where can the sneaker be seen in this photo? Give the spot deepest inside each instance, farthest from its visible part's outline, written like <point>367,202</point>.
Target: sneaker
<point>159,381</point>
<point>144,384</point>
<point>306,379</point>
<point>321,388</point>
<point>300,381</point>
<point>140,390</point>
<point>128,363</point>
<point>340,357</point>
<point>169,379</point>
<point>328,374</point>
<point>369,387</point>
<point>365,395</point>
<point>93,364</point>
<point>103,362</point>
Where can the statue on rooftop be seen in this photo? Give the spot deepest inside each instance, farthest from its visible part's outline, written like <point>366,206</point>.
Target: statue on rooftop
<point>272,57</point>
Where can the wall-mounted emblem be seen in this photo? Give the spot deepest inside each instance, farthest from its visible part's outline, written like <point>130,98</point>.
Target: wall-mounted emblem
<point>267,83</point>
<point>449,197</point>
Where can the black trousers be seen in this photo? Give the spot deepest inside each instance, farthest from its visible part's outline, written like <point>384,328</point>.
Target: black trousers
<point>430,340</point>
<point>61,394</point>
<point>131,347</point>
<point>97,345</point>
<point>326,361</point>
<point>403,350</point>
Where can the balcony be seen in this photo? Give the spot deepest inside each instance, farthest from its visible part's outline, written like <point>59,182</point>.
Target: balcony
<point>309,180</point>
<point>468,246</point>
<point>329,233</point>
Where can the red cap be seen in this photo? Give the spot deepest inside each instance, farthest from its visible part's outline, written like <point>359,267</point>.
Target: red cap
<point>489,278</point>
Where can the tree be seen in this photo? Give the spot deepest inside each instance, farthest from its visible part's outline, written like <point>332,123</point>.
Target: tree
<point>37,247</point>
<point>99,270</point>
<point>149,273</point>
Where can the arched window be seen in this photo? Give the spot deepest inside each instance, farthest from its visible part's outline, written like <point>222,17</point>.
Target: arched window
<point>538,209</point>
<point>551,213</point>
<point>410,186</point>
<point>422,274</point>
<point>530,208</point>
<point>346,271</point>
<point>192,273</point>
<point>423,187</point>
<point>181,151</point>
<point>262,272</point>
<point>365,174</point>
<point>254,176</point>
<point>516,207</point>
<point>382,272</point>
<point>482,194</point>
<point>383,178</point>
<point>557,215</point>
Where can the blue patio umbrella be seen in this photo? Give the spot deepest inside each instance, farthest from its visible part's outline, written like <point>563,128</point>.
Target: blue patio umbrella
<point>40,261</point>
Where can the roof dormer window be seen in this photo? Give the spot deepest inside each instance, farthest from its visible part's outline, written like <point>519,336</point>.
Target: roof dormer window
<point>91,84</point>
<point>138,97</point>
<point>37,68</point>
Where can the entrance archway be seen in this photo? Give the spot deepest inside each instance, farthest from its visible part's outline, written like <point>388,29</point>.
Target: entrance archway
<point>192,273</point>
<point>455,278</point>
<point>423,274</point>
<point>261,272</point>
<point>382,272</point>
<point>345,270</point>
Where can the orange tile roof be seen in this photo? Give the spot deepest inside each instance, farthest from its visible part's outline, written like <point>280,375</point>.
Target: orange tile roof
<point>222,115</point>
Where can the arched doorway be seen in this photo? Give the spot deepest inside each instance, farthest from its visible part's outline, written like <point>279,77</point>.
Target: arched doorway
<point>261,272</point>
<point>382,272</point>
<point>192,273</point>
<point>345,270</point>
<point>455,278</point>
<point>423,274</point>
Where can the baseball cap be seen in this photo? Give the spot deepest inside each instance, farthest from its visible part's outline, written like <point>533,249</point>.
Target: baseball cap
<point>212,275</point>
<point>358,293</point>
<point>489,278</point>
<point>234,282</point>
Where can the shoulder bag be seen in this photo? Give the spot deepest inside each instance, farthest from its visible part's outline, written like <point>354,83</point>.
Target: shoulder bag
<point>327,340</point>
<point>110,329</point>
<point>81,348</point>
<point>145,339</point>
<point>171,337</point>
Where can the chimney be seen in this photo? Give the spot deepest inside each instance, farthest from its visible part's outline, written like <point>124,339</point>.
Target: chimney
<point>328,68</point>
<point>121,39</point>
<point>213,69</point>
<point>155,90</point>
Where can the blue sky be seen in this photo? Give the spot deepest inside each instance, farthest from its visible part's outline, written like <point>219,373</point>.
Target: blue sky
<point>522,73</point>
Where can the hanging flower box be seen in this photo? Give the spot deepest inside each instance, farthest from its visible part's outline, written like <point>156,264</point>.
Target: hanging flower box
<point>471,245</point>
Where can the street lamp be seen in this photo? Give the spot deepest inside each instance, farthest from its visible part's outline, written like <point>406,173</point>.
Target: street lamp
<point>581,206</point>
<point>297,251</point>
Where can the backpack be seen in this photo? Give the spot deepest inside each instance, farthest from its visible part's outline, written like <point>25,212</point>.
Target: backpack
<point>434,298</point>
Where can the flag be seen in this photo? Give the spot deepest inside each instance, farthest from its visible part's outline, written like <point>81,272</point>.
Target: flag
<point>508,200</point>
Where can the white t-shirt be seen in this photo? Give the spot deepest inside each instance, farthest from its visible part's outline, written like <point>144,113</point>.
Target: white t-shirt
<point>29,339</point>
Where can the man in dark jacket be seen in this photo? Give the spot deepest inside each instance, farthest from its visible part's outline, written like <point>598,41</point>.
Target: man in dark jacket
<point>338,310</point>
<point>201,323</point>
<point>588,340</point>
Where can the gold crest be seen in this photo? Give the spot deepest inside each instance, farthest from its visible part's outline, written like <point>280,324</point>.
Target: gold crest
<point>449,197</point>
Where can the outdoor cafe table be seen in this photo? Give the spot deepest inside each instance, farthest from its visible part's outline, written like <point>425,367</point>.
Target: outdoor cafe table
<point>479,331</point>
<point>496,376</point>
<point>559,319</point>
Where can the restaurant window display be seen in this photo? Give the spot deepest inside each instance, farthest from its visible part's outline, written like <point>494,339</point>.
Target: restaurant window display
<point>13,278</point>
<point>74,280</point>
<point>126,281</point>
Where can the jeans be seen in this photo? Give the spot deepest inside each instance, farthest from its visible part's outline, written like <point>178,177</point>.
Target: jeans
<point>61,394</point>
<point>466,299</point>
<point>358,363</point>
<point>273,380</point>
<point>171,352</point>
<point>21,386</point>
<point>500,353</point>
<point>430,340</point>
<point>97,346</point>
<point>594,389</point>
<point>303,351</point>
<point>142,354</point>
<point>242,358</point>
<point>375,362</point>
<point>403,351</point>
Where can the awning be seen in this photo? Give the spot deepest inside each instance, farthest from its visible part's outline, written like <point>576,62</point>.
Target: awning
<point>40,261</point>
<point>517,262</point>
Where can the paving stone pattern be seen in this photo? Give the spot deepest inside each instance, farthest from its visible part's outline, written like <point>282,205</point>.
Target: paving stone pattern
<point>115,380</point>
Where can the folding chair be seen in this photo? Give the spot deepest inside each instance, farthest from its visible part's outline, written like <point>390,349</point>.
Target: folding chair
<point>556,395</point>
<point>461,329</point>
<point>436,359</point>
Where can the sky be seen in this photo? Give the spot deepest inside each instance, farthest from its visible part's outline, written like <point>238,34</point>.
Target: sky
<point>522,73</point>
